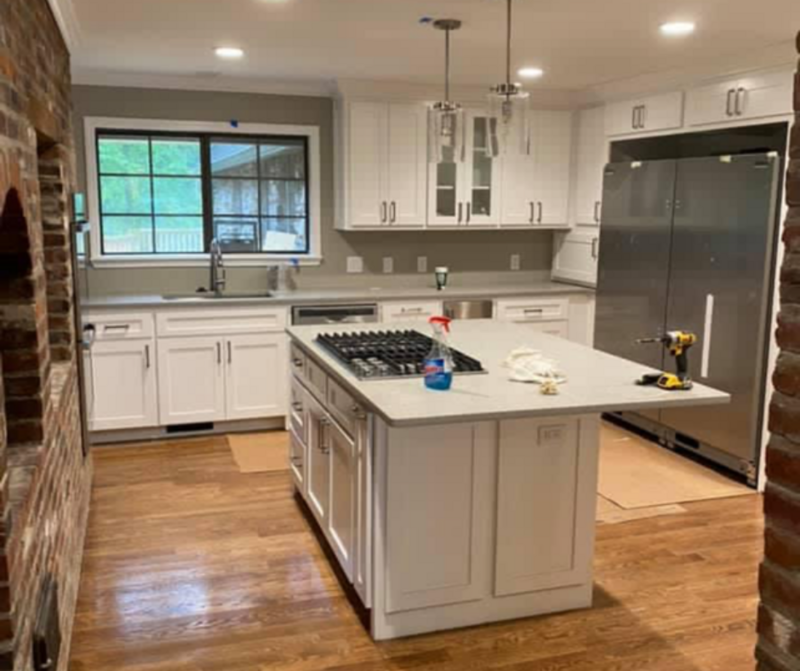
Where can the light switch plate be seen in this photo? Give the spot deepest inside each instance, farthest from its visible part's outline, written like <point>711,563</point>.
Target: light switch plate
<point>355,264</point>
<point>515,262</point>
<point>388,265</point>
<point>422,264</point>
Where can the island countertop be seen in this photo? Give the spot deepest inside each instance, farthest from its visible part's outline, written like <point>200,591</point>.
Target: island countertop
<point>596,381</point>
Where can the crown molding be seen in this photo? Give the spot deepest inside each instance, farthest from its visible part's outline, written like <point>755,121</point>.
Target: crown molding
<point>67,20</point>
<point>202,82</point>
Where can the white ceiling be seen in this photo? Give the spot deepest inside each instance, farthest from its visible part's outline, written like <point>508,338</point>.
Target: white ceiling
<point>580,43</point>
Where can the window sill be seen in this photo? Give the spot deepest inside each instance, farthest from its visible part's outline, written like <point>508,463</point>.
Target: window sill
<point>201,261</point>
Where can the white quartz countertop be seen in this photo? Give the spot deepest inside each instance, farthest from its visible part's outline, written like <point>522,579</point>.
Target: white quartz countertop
<point>345,295</point>
<point>597,382</point>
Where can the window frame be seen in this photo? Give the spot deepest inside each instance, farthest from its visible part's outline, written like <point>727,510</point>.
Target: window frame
<point>96,125</point>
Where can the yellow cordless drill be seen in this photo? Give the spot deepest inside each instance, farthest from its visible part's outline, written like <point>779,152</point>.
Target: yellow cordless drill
<point>678,344</point>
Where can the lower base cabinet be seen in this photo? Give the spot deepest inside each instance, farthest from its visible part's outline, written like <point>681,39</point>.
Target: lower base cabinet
<point>342,508</point>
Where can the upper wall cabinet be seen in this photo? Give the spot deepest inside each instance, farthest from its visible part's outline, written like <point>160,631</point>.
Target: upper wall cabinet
<point>383,149</point>
<point>467,193</point>
<point>536,185</point>
<point>654,113</point>
<point>591,156</point>
<point>754,96</point>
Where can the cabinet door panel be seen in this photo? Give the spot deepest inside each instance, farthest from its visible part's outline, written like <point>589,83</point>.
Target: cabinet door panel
<point>575,257</point>
<point>711,104</point>
<point>256,376</point>
<point>551,141</point>
<point>519,190</point>
<point>766,94</point>
<point>482,177</point>
<point>191,380</point>
<point>536,507</point>
<point>123,385</point>
<point>591,159</point>
<point>407,165</point>
<point>318,462</point>
<point>342,514</point>
<point>362,565</point>
<point>366,147</point>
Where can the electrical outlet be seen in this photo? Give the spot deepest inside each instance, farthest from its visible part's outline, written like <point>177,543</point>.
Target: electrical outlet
<point>422,264</point>
<point>515,262</point>
<point>355,264</point>
<point>388,265</point>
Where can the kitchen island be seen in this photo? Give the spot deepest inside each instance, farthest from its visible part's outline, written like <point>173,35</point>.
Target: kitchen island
<point>449,509</point>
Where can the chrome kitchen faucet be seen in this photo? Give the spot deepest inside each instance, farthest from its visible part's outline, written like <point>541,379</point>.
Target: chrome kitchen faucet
<point>218,274</point>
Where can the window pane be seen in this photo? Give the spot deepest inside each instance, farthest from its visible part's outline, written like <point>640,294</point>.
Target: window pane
<point>283,199</point>
<point>124,155</point>
<point>236,234</point>
<point>233,159</point>
<point>176,157</point>
<point>125,195</point>
<point>179,235</point>
<point>235,196</point>
<point>286,158</point>
<point>177,195</point>
<point>283,235</point>
<point>127,235</point>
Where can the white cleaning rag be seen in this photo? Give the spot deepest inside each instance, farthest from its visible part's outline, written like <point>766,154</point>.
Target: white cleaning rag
<point>528,365</point>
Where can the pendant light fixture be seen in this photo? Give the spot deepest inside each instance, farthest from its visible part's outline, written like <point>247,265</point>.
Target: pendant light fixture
<point>446,118</point>
<point>508,109</point>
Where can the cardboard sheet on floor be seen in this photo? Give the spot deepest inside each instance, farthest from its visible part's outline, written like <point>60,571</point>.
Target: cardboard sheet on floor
<point>260,452</point>
<point>635,473</point>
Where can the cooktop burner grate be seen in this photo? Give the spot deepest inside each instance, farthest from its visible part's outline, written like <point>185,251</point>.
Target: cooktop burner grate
<point>389,354</point>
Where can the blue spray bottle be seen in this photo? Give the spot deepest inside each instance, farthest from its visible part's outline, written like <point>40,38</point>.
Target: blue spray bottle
<point>439,362</point>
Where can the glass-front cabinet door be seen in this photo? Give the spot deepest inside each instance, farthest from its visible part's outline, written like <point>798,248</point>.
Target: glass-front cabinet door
<point>466,193</point>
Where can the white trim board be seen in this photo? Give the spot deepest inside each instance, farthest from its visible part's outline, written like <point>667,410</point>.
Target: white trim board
<point>67,20</point>
<point>314,256</point>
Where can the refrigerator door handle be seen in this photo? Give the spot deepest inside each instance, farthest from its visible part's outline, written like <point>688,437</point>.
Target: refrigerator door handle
<point>708,326</point>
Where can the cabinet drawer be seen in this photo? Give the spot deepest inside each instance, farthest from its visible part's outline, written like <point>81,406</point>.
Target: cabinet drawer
<point>122,326</point>
<point>536,310</point>
<point>297,410</point>
<point>297,360</point>
<point>297,460</point>
<point>343,407</point>
<point>316,379</point>
<point>219,321</point>
<point>410,311</point>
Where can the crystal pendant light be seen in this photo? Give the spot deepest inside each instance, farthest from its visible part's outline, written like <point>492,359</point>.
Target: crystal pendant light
<point>508,109</point>
<point>446,118</point>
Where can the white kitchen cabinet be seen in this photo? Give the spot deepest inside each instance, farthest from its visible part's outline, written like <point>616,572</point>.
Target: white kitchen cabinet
<point>191,380</point>
<point>255,374</point>
<point>540,467</point>
<point>385,153</point>
<point>760,94</point>
<point>342,509</point>
<point>535,186</point>
<point>467,193</point>
<point>362,564</point>
<point>652,113</point>
<point>575,256</point>
<point>123,384</point>
<point>591,156</point>
<point>407,311</point>
<point>318,462</point>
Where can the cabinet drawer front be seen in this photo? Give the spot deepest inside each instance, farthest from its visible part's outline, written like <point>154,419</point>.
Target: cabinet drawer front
<point>297,410</point>
<point>533,310</point>
<point>297,360</point>
<point>220,321</point>
<point>297,460</point>
<point>317,380</point>
<point>410,311</point>
<point>343,407</point>
<point>122,326</point>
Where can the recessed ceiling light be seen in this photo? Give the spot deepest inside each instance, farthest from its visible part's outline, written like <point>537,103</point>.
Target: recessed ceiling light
<point>530,73</point>
<point>230,53</point>
<point>677,28</point>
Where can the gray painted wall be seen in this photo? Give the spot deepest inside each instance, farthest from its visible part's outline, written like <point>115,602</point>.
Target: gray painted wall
<point>483,254</point>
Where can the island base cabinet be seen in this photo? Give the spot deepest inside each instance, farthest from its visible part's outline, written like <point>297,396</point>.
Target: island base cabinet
<point>482,522</point>
<point>343,481</point>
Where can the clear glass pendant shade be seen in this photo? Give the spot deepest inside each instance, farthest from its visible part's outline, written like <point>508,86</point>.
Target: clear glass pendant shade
<point>446,133</point>
<point>509,129</point>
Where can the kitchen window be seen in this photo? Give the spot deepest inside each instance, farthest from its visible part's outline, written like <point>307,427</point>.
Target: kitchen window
<point>164,190</point>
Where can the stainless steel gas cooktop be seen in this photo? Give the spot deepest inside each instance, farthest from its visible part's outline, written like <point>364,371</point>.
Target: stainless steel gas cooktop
<point>372,355</point>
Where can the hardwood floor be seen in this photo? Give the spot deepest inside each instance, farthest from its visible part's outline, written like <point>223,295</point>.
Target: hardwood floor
<point>193,566</point>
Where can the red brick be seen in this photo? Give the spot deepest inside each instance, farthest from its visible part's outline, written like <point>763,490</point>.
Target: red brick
<point>780,631</point>
<point>783,462</point>
<point>782,508</point>
<point>784,416</point>
<point>780,590</point>
<point>782,548</point>
<point>24,409</point>
<point>793,183</point>
<point>794,147</point>
<point>23,433</point>
<point>786,378</point>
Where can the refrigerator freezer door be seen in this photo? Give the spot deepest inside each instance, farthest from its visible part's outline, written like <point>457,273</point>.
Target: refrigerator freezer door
<point>634,255</point>
<point>720,288</point>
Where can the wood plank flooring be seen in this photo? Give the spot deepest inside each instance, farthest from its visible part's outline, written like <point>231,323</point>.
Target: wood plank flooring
<point>193,566</point>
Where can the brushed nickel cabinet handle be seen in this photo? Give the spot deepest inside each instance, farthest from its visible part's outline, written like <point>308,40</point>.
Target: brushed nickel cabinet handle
<point>297,406</point>
<point>383,212</point>
<point>594,248</point>
<point>394,212</point>
<point>541,212</point>
<point>469,212</point>
<point>533,213</point>
<point>729,102</point>
<point>230,352</point>
<point>597,212</point>
<point>634,116</point>
<point>460,212</point>
<point>298,363</point>
<point>740,94</point>
<point>147,356</point>
<point>219,353</point>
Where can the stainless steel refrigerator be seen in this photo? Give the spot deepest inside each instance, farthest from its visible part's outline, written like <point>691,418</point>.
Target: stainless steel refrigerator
<point>689,245</point>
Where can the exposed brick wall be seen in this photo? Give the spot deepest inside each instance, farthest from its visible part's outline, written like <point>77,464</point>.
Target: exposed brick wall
<point>779,613</point>
<point>44,477</point>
